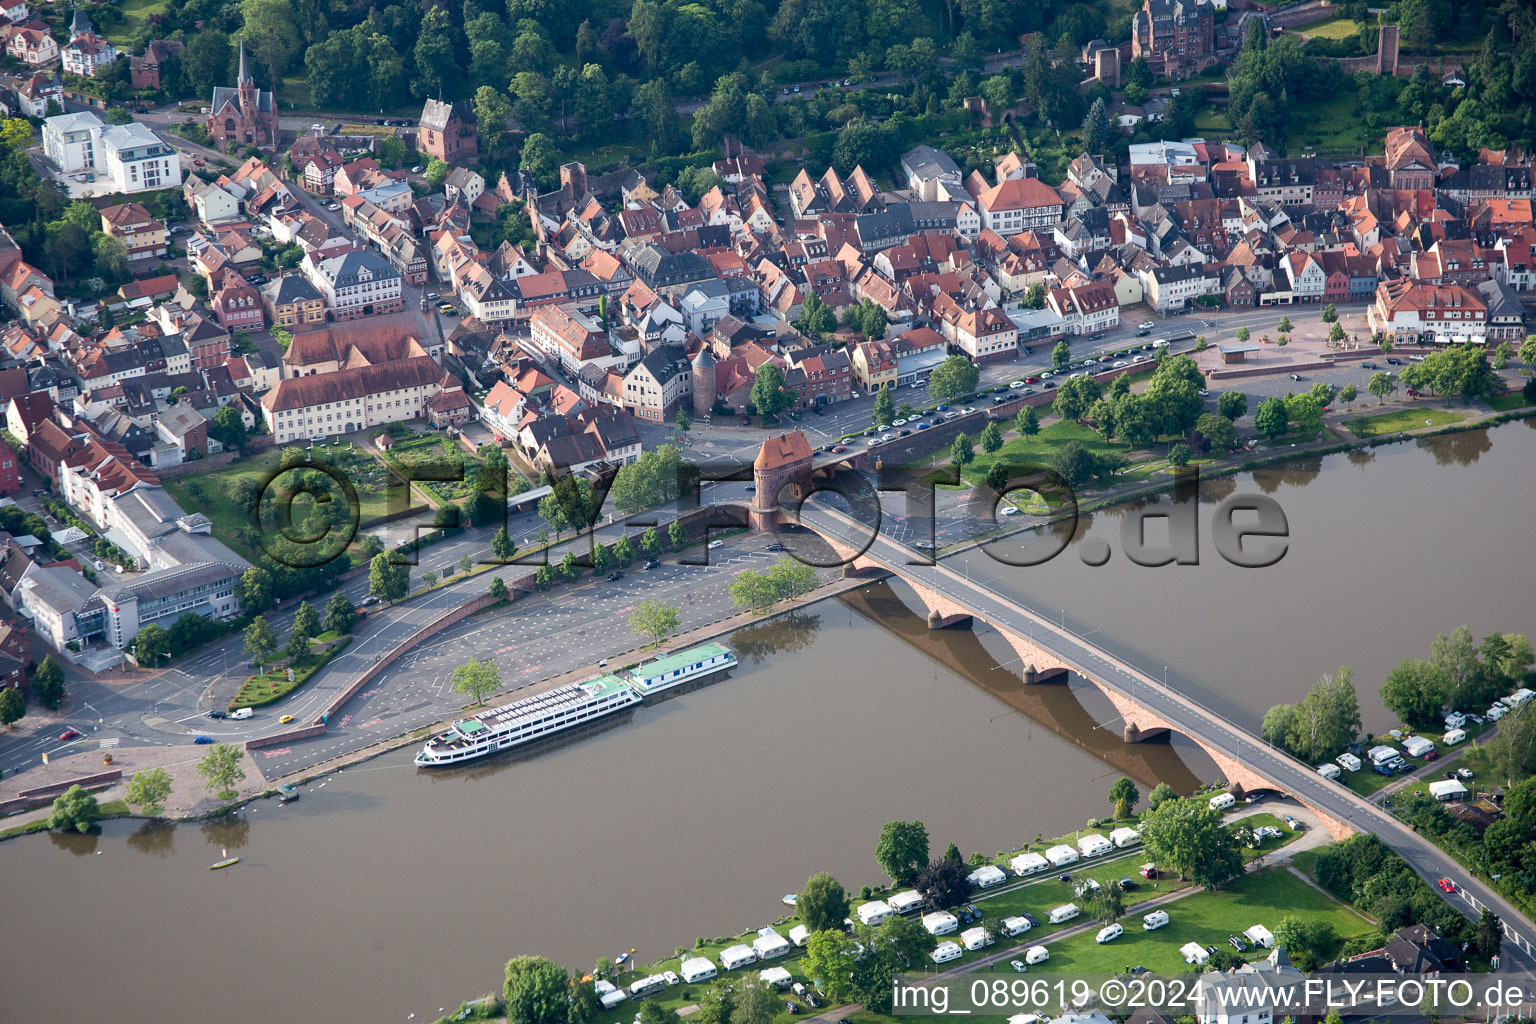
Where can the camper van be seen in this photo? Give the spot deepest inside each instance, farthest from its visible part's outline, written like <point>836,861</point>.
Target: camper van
<point>1381,754</point>
<point>940,923</point>
<point>1155,920</point>
<point>696,969</point>
<point>1194,953</point>
<point>1065,912</point>
<point>1454,737</point>
<point>1094,845</point>
<point>1015,926</point>
<point>778,977</point>
<point>874,912</point>
<point>1329,771</point>
<point>1261,937</point>
<point>1221,801</point>
<point>1123,837</point>
<point>736,956</point>
<point>944,952</point>
<point>986,876</point>
<point>1349,762</point>
<point>1036,955</point>
<point>645,986</point>
<point>1062,855</point>
<point>1028,864</point>
<point>1418,746</point>
<point>1109,933</point>
<point>975,938</point>
<point>1519,697</point>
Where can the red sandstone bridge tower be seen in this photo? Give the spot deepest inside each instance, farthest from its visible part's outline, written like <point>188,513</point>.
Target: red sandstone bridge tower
<point>782,465</point>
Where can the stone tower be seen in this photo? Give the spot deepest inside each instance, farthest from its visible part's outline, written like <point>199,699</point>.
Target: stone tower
<point>245,85</point>
<point>783,464</point>
<point>703,381</point>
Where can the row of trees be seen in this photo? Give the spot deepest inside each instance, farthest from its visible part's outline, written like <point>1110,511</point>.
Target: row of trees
<point>759,591</point>
<point>1459,673</point>
<point>1324,723</point>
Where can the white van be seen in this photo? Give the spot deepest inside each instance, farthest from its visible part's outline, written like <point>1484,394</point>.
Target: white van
<point>1109,933</point>
<point>1065,912</point>
<point>242,714</point>
<point>1155,920</point>
<point>1329,771</point>
<point>1454,737</point>
<point>1221,801</point>
<point>1036,955</point>
<point>944,952</point>
<point>1415,358</point>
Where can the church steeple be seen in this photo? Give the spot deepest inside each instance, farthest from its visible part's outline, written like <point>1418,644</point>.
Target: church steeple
<point>244,75</point>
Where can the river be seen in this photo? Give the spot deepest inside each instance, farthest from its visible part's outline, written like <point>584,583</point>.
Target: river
<point>390,891</point>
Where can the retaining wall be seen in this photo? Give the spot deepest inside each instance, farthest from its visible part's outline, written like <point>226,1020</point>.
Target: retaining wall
<point>27,799</point>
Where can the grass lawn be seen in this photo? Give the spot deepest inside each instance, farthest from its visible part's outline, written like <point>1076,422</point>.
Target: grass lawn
<point>1213,121</point>
<point>225,495</point>
<point>1401,420</point>
<point>273,684</point>
<point>1329,126</point>
<point>430,454</point>
<point>134,13</point>
<point>1039,448</point>
<point>1330,28</point>
<point>1507,402</point>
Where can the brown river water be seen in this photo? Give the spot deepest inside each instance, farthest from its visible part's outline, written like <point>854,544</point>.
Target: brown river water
<point>391,891</point>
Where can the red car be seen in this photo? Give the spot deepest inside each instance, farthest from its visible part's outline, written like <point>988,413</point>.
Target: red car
<point>1412,393</point>
<point>1031,380</point>
<point>69,734</point>
<point>1446,885</point>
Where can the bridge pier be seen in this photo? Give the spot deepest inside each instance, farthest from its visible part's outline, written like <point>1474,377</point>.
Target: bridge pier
<point>937,621</point>
<point>1133,733</point>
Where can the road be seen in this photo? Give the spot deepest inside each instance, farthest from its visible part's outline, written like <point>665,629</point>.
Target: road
<point>989,601</point>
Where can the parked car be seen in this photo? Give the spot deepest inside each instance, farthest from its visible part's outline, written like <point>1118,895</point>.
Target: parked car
<point>1018,965</point>
<point>1237,943</point>
<point>216,713</point>
<point>617,574</point>
<point>1295,376</point>
<point>1128,884</point>
<point>1465,773</point>
<point>1415,393</point>
<point>653,564</point>
<point>1367,366</point>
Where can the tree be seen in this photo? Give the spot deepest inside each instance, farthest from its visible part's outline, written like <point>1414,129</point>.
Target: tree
<point>1501,355</point>
<point>388,580</point>
<point>1416,692</point>
<point>498,589</point>
<point>1381,385</point>
<point>816,318</point>
<point>943,883</point>
<point>492,112</point>
<point>1123,794</point>
<point>340,614</point>
<point>151,644</point>
<point>991,438</point>
<point>148,789</point>
<point>271,35</point>
<point>1076,396</point>
<point>1384,343</point>
<point>902,850</point>
<point>228,428</point>
<point>1325,722</point>
<point>769,396</point>
<point>553,514</point>
<point>757,1002</point>
<point>260,638</point>
<point>255,590</point>
<point>885,406</point>
<point>540,158</point>
<point>1336,334</point>
<point>1285,326</point>
<point>600,558</point>
<point>221,767</point>
<point>74,809</point>
<point>1309,943</point>
<point>1330,314</point>
<point>476,679</point>
<point>536,991</point>
<point>1034,297</point>
<point>1243,334</point>
<point>1061,356</point>
<point>822,903</point>
<point>1488,935</point>
<point>544,577</point>
<point>655,619</point>
<point>677,533</point>
<point>1096,126</point>
<point>1160,792</point>
<point>1106,905</point>
<point>1348,394</point>
<point>1271,419</point>
<point>754,591</point>
<point>13,706</point>
<point>650,542</point>
<point>1027,422</point>
<point>1216,431</point>
<point>1189,837</point>
<point>961,451</point>
<point>830,957</point>
<point>1528,351</point>
<point>306,624</point>
<point>683,421</point>
<point>954,377</point>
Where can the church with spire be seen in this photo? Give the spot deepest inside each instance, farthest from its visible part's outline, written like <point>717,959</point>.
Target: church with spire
<point>243,115</point>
